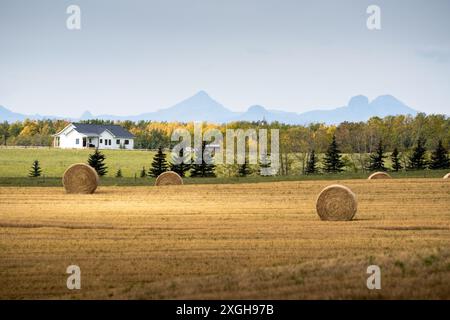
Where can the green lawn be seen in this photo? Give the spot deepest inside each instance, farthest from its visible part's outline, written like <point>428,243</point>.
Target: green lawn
<point>15,164</point>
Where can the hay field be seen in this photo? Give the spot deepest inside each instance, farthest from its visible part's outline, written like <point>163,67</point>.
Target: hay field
<point>260,240</point>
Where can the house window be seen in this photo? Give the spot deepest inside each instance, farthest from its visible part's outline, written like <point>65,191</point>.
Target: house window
<point>101,140</point>
<point>90,140</point>
<point>77,141</point>
<point>127,141</point>
<point>118,141</point>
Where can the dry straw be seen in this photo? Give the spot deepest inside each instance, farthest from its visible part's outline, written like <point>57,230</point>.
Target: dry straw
<point>379,175</point>
<point>447,176</point>
<point>336,203</point>
<point>168,178</point>
<point>80,178</point>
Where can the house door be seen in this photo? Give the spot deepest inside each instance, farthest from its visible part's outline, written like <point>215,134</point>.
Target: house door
<point>84,142</point>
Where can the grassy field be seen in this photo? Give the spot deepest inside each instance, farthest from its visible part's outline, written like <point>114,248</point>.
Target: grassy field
<point>16,162</point>
<point>226,241</point>
<point>15,165</point>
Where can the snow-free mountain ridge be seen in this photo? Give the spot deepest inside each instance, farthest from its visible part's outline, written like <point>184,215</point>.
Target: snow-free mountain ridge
<point>201,107</point>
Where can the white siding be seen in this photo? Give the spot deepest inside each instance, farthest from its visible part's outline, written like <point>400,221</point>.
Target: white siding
<point>130,144</point>
<point>105,138</point>
<point>122,141</point>
<point>69,140</point>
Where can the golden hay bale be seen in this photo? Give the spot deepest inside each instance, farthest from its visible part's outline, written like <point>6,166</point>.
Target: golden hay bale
<point>336,203</point>
<point>168,178</point>
<point>447,176</point>
<point>379,175</point>
<point>80,178</point>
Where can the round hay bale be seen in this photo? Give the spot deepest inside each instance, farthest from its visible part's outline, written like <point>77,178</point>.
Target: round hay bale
<point>447,176</point>
<point>379,175</point>
<point>336,203</point>
<point>80,178</point>
<point>168,178</point>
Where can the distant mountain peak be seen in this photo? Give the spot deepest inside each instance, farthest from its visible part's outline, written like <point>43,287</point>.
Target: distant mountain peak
<point>202,93</point>
<point>256,108</point>
<point>199,107</point>
<point>357,102</point>
<point>201,96</point>
<point>386,98</point>
<point>87,115</point>
<point>389,105</point>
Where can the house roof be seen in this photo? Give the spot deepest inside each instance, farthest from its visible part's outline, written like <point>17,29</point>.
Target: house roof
<point>97,129</point>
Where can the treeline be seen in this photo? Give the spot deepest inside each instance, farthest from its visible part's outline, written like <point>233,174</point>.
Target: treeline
<point>356,141</point>
<point>30,132</point>
<point>334,162</point>
<point>354,137</point>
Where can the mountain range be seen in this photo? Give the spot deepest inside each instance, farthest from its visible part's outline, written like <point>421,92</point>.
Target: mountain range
<point>201,107</point>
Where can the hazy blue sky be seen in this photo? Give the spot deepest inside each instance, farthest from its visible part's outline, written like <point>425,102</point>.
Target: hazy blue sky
<point>138,56</point>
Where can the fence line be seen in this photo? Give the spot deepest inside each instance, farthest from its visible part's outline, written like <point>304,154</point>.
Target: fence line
<point>51,147</point>
<point>25,147</point>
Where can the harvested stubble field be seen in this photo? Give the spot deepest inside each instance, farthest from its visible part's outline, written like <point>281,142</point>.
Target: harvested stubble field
<point>260,240</point>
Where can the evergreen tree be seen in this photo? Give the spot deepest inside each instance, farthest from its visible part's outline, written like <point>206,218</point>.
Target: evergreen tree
<point>96,161</point>
<point>159,164</point>
<point>4,131</point>
<point>244,169</point>
<point>143,173</point>
<point>202,169</point>
<point>439,157</point>
<point>181,168</point>
<point>396,164</point>
<point>265,164</point>
<point>311,165</point>
<point>332,160</point>
<point>35,170</point>
<point>417,159</point>
<point>376,160</point>
<point>119,173</point>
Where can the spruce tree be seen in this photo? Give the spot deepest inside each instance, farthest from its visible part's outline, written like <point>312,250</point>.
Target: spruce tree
<point>376,160</point>
<point>332,160</point>
<point>202,169</point>
<point>439,157</point>
<point>395,159</point>
<point>96,161</point>
<point>264,166</point>
<point>143,173</point>
<point>417,159</point>
<point>181,168</point>
<point>159,164</point>
<point>35,170</point>
<point>244,169</point>
<point>311,165</point>
<point>119,173</point>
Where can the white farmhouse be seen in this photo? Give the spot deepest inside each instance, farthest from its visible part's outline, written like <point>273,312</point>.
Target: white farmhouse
<point>82,135</point>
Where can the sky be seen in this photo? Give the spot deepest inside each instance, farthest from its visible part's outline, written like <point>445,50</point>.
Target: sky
<point>131,56</point>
